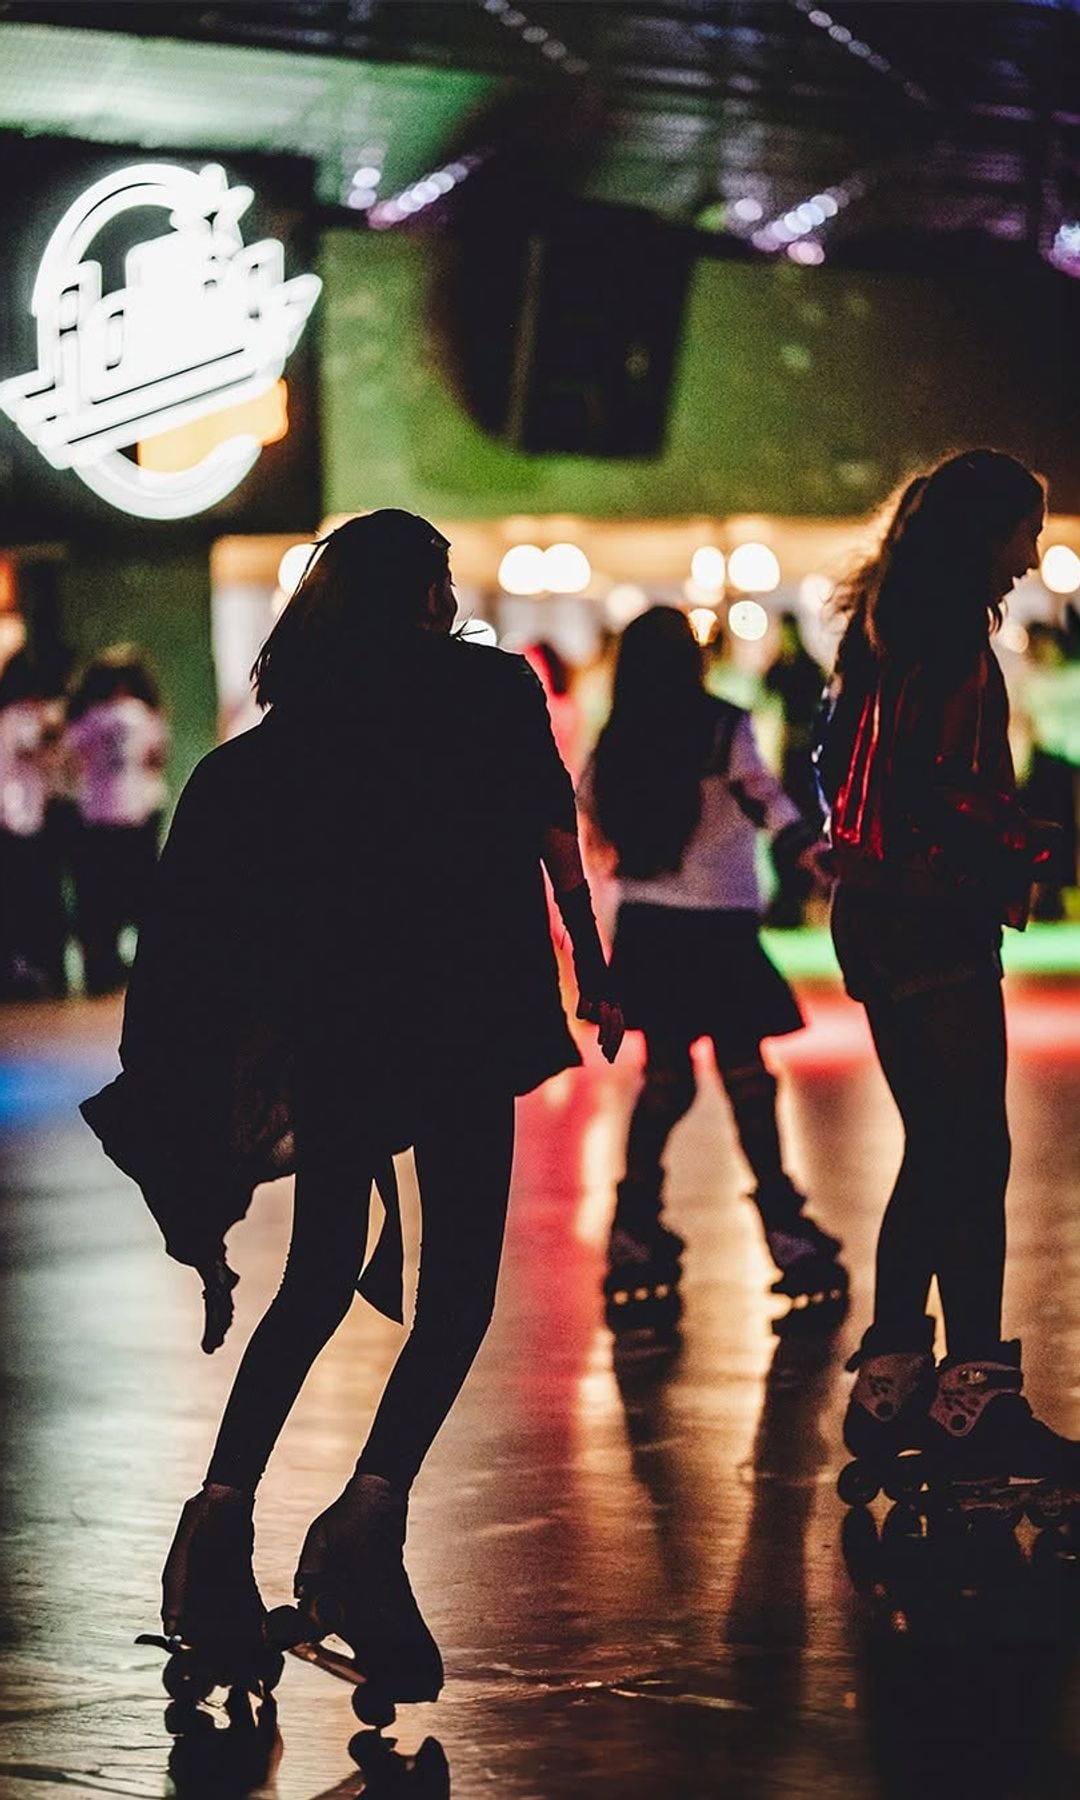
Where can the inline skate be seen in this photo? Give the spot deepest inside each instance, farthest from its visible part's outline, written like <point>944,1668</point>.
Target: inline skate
<point>987,1458</point>
<point>351,1583</point>
<point>811,1276</point>
<point>885,1424</point>
<point>641,1288</point>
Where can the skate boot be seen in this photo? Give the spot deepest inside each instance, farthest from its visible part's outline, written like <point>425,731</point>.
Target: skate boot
<point>351,1582</point>
<point>212,1612</point>
<point>810,1275</point>
<point>988,1457</point>
<point>641,1288</point>
<point>885,1423</point>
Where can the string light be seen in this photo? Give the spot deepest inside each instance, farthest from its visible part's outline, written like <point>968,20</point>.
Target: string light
<point>839,34</point>
<point>292,566</point>
<point>424,193</point>
<point>522,570</point>
<point>566,569</point>
<point>538,36</point>
<point>703,623</point>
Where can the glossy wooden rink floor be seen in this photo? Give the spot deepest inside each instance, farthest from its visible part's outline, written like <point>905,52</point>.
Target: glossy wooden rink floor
<point>636,1575</point>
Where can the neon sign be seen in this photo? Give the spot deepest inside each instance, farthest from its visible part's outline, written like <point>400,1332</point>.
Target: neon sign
<point>198,336</point>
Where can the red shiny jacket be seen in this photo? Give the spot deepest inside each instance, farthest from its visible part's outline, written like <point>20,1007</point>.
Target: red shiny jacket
<point>919,779</point>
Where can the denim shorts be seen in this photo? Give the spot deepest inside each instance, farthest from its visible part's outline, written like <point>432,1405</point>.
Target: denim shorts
<point>891,947</point>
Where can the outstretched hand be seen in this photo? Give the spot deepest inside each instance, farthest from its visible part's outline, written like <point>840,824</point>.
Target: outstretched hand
<point>218,1283</point>
<point>606,1015</point>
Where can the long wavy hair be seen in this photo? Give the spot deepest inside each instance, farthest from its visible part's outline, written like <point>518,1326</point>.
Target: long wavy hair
<point>928,594</point>
<point>651,754</point>
<point>364,590</point>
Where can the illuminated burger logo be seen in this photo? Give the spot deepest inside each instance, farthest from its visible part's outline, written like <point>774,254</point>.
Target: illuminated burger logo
<point>160,395</point>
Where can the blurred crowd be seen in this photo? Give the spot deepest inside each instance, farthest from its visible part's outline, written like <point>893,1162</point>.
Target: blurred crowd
<point>83,792</point>
<point>82,797</point>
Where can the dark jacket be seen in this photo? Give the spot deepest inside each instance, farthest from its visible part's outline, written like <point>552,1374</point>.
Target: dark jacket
<point>350,892</point>
<point>916,769</point>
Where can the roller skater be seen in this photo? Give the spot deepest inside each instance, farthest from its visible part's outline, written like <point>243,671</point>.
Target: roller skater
<point>641,1287</point>
<point>933,856</point>
<point>347,955</point>
<point>677,790</point>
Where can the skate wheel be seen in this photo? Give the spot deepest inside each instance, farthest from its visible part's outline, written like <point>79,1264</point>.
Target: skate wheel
<point>902,1525</point>
<point>856,1485</point>
<point>906,1478</point>
<point>859,1545</point>
<point>185,1679</point>
<point>373,1706</point>
<point>286,1626</point>
<point>185,1718</point>
<point>1047,1511</point>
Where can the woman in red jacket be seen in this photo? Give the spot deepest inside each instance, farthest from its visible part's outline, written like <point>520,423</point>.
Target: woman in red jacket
<point>933,856</point>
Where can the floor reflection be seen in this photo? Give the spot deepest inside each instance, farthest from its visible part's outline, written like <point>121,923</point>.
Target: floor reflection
<point>640,1573</point>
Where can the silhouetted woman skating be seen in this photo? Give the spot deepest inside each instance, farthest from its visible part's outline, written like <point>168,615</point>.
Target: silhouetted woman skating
<point>678,788</point>
<point>349,954</point>
<point>934,855</point>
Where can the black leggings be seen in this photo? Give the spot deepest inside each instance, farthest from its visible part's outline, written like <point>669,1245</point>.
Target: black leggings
<point>667,1094</point>
<point>463,1160</point>
<point>943,1055</point>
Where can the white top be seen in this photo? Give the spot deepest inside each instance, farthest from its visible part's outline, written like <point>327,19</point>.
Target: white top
<point>718,870</point>
<point>117,754</point>
<point>29,738</point>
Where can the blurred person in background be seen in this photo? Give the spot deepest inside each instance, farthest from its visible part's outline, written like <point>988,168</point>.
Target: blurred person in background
<point>933,856</point>
<point>348,954</point>
<point>1051,707</point>
<point>796,681</point>
<point>677,787</point>
<point>116,743</point>
<point>33,925</point>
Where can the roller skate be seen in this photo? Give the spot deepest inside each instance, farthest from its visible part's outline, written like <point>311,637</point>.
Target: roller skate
<point>810,1276</point>
<point>351,1583</point>
<point>885,1424</point>
<point>212,1612</point>
<point>643,1305</point>
<point>988,1460</point>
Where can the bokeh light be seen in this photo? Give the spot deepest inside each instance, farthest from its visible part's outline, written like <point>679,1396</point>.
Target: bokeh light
<point>623,602</point>
<point>1060,569</point>
<point>707,567</point>
<point>753,569</point>
<point>703,623</point>
<point>566,569</point>
<point>748,620</point>
<point>522,570</point>
<point>292,566</point>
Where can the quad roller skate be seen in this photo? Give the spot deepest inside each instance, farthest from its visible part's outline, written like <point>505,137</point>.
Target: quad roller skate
<point>351,1583</point>
<point>643,1305</point>
<point>212,1612</point>
<point>810,1276</point>
<point>885,1424</point>
<point>987,1459</point>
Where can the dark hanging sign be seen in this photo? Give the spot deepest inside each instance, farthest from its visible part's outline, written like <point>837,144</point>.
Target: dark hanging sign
<point>157,328</point>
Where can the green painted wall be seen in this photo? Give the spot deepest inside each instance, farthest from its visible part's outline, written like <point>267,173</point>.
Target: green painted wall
<point>803,391</point>
<point>161,601</point>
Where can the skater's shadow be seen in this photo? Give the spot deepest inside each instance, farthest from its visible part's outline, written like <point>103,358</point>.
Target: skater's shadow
<point>230,1758</point>
<point>970,1655</point>
<point>766,1627</point>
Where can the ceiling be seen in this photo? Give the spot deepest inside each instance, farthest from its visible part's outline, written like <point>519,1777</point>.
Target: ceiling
<point>925,134</point>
